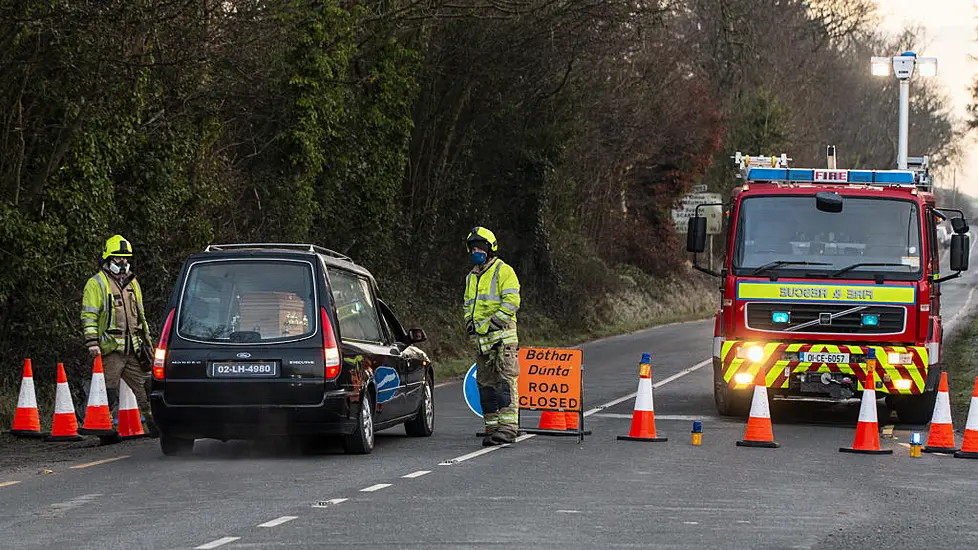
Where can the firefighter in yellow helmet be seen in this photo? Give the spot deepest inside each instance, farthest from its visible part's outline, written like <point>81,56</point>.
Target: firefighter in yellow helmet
<point>115,327</point>
<point>492,298</point>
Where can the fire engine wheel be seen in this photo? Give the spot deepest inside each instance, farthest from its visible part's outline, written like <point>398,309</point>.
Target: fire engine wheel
<point>915,409</point>
<point>729,402</point>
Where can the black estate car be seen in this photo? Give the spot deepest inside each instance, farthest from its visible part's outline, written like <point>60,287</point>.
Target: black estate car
<point>285,340</point>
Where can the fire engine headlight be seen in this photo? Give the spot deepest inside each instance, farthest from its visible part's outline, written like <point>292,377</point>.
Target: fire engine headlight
<point>755,354</point>
<point>902,384</point>
<point>743,378</point>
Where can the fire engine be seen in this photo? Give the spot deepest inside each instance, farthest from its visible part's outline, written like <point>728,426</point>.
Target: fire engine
<point>824,268</point>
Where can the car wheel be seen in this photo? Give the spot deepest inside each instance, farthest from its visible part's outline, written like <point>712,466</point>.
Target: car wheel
<point>915,409</point>
<point>729,402</point>
<point>423,424</point>
<point>361,441</point>
<point>176,446</point>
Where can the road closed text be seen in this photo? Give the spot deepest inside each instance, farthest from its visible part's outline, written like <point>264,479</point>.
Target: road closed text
<point>550,379</point>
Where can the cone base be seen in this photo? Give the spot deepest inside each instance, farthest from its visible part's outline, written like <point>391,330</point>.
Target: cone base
<point>866,451</point>
<point>966,454</point>
<point>59,438</point>
<point>137,436</point>
<point>28,434</point>
<point>89,431</point>
<point>759,444</point>
<point>649,439</point>
<point>940,450</point>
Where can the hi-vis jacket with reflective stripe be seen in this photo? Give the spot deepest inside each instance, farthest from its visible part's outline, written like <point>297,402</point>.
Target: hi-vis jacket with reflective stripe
<point>492,298</point>
<point>100,311</point>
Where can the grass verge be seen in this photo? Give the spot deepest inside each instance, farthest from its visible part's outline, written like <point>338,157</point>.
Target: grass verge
<point>961,358</point>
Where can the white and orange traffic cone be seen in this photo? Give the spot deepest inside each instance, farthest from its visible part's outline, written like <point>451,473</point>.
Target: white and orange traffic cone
<point>940,438</point>
<point>760,432</point>
<point>643,416</point>
<point>98,417</point>
<point>27,423</point>
<point>130,421</point>
<point>867,439</point>
<point>64,427</point>
<point>969,446</point>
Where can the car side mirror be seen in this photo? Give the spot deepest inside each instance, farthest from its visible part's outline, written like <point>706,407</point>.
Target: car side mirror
<point>696,234</point>
<point>960,225</point>
<point>960,251</point>
<point>416,335</point>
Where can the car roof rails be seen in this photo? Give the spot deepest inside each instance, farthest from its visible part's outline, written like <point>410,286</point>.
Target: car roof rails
<point>307,247</point>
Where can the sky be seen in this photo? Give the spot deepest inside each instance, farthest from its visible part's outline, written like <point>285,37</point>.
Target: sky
<point>950,35</point>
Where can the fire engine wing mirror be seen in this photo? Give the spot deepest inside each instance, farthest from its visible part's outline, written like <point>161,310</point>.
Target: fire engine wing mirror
<point>960,251</point>
<point>828,202</point>
<point>959,225</point>
<point>696,234</point>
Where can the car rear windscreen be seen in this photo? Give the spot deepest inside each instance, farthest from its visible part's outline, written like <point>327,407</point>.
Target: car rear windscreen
<point>242,301</point>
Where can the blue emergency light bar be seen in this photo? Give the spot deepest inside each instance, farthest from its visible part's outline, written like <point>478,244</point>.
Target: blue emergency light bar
<point>804,175</point>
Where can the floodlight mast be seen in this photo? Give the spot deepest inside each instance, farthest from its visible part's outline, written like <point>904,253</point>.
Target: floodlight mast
<point>903,67</point>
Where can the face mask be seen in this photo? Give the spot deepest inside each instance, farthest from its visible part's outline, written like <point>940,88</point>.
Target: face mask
<point>119,267</point>
<point>478,258</point>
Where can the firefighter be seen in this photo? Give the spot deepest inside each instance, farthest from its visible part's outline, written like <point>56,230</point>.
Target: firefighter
<point>115,326</point>
<point>492,298</point>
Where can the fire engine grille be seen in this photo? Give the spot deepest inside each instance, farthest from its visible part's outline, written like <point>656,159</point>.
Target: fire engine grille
<point>889,319</point>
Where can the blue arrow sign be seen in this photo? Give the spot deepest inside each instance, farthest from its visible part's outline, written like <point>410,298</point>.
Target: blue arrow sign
<point>470,389</point>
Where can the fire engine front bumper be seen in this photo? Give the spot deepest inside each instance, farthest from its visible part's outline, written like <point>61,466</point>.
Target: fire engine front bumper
<point>900,370</point>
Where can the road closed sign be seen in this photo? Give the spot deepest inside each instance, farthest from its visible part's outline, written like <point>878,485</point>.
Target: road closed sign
<point>550,379</point>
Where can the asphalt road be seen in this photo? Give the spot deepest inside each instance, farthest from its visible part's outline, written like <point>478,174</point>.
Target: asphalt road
<point>543,492</point>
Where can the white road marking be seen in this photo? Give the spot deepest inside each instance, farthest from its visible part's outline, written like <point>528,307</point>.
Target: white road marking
<point>279,521</point>
<point>691,522</point>
<point>964,308</point>
<point>417,474</point>
<point>665,417</point>
<point>487,450</point>
<point>568,511</point>
<point>8,483</point>
<point>58,509</point>
<point>216,543</point>
<point>632,395</point>
<point>328,503</point>
<point>377,487</point>
<point>97,462</point>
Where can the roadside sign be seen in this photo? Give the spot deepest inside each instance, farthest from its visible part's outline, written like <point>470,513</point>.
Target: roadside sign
<point>687,209</point>
<point>699,188</point>
<point>470,390</point>
<point>552,379</point>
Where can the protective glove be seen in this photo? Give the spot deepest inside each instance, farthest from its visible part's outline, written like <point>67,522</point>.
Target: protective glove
<point>94,350</point>
<point>470,328</point>
<point>497,323</point>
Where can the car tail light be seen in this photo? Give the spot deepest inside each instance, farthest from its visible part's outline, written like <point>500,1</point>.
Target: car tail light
<point>331,354</point>
<point>159,357</point>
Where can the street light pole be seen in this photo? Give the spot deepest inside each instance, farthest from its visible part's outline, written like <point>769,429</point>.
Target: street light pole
<point>903,67</point>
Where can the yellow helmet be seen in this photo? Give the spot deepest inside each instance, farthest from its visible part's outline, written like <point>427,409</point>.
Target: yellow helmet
<point>117,245</point>
<point>481,234</point>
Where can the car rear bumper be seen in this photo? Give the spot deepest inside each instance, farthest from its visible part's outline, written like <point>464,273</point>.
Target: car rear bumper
<point>336,415</point>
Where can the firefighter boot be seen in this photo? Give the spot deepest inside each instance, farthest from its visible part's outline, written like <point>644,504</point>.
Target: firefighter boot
<point>502,438</point>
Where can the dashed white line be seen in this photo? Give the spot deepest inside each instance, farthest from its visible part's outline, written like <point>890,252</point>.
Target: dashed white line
<point>8,483</point>
<point>279,521</point>
<point>328,503</point>
<point>216,543</point>
<point>417,474</point>
<point>98,462</point>
<point>373,488</point>
<point>487,450</point>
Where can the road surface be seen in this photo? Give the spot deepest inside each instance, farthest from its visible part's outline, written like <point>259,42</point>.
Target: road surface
<point>543,492</point>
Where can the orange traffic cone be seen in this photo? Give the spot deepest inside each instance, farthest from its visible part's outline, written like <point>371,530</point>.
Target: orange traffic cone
<point>969,447</point>
<point>940,439</point>
<point>571,420</point>
<point>65,424</point>
<point>643,416</point>
<point>27,423</point>
<point>867,429</point>
<point>130,422</point>
<point>98,417</point>
<point>760,432</point>
<point>552,420</point>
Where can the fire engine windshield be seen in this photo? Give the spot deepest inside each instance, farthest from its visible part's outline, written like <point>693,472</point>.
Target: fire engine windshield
<point>868,237</point>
